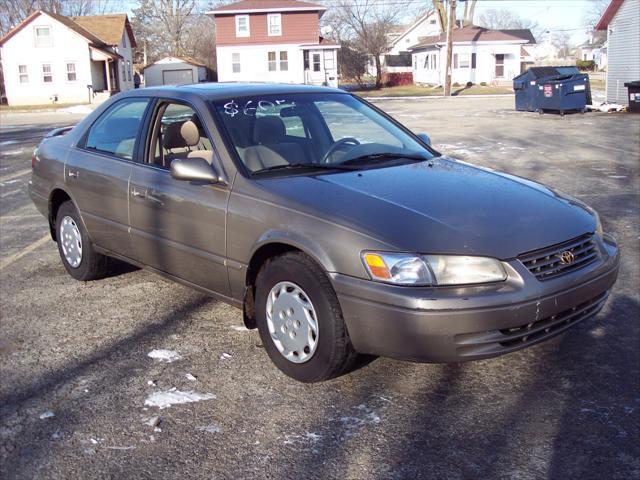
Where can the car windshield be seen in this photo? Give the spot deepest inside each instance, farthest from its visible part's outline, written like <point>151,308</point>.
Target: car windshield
<point>314,131</point>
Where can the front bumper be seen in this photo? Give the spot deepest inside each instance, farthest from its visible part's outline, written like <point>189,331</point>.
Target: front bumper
<point>468,323</point>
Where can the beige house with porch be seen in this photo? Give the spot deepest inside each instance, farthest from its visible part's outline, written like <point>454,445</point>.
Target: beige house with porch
<point>51,58</point>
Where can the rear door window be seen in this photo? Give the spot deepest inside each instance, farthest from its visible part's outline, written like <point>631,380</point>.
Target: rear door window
<point>116,131</point>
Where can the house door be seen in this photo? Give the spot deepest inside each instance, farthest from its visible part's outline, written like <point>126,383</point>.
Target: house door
<point>314,67</point>
<point>499,65</point>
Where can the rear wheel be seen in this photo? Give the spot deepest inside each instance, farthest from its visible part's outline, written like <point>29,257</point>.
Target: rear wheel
<point>300,320</point>
<point>76,251</point>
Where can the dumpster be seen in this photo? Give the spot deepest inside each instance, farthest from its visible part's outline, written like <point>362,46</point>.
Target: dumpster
<point>560,89</point>
<point>634,95</point>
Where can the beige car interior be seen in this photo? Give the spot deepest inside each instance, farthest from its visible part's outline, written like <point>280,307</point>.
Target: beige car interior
<point>270,145</point>
<point>180,139</point>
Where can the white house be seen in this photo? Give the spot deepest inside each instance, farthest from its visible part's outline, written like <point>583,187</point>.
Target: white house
<point>595,49</point>
<point>51,58</point>
<point>174,71</point>
<point>479,55</point>
<point>274,41</point>
<point>621,20</point>
<point>398,58</point>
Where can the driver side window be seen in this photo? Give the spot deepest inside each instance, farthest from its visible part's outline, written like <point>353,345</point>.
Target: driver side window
<point>178,132</point>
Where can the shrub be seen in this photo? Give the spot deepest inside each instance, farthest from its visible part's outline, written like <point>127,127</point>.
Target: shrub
<point>397,79</point>
<point>589,65</point>
<point>483,84</point>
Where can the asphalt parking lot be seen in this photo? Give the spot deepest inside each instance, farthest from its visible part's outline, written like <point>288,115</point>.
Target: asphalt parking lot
<point>75,371</point>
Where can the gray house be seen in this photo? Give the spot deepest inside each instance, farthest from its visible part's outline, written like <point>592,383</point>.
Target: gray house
<point>621,20</point>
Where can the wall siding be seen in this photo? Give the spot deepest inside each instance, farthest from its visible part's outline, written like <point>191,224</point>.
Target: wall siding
<point>297,27</point>
<point>623,51</point>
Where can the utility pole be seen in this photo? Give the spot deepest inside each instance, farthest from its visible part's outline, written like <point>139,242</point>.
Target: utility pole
<point>450,24</point>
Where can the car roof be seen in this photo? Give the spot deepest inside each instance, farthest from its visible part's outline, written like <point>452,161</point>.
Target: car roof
<point>223,90</point>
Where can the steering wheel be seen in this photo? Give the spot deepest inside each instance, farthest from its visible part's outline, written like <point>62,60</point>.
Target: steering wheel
<point>338,144</point>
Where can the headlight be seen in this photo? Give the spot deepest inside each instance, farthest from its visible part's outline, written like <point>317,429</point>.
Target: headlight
<point>412,269</point>
<point>599,230</point>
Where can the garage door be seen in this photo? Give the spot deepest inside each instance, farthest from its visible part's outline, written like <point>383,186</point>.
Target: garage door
<point>177,77</point>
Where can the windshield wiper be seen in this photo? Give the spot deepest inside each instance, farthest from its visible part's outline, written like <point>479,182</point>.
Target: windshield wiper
<point>306,166</point>
<point>383,156</point>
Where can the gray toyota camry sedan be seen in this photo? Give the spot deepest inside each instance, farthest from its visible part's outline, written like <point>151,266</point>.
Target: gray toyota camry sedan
<point>339,232</point>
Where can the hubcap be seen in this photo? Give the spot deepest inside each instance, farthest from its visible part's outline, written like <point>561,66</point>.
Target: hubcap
<point>71,242</point>
<point>292,322</point>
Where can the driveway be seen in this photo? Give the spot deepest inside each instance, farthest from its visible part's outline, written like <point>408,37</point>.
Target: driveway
<point>76,371</point>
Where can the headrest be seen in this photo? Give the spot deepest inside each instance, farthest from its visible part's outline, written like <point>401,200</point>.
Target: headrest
<point>181,134</point>
<point>269,129</point>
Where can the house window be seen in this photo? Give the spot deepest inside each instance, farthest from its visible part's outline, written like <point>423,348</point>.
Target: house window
<point>463,60</point>
<point>235,60</point>
<point>128,70</point>
<point>455,60</point>
<point>271,59</point>
<point>275,24</point>
<point>284,61</point>
<point>242,26</point>
<point>499,65</point>
<point>43,36</point>
<point>23,74</point>
<point>473,60</point>
<point>47,76</point>
<point>71,72</point>
<point>329,60</point>
<point>305,58</point>
<point>316,62</point>
<point>433,61</point>
<point>426,60</point>
<point>432,22</point>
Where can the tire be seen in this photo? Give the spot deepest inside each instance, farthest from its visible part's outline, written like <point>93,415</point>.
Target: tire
<point>91,265</point>
<point>333,354</point>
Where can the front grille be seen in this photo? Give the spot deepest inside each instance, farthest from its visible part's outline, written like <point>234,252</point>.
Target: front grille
<point>508,339</point>
<point>546,263</point>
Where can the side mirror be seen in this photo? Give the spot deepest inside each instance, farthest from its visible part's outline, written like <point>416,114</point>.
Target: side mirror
<point>425,138</point>
<point>194,169</point>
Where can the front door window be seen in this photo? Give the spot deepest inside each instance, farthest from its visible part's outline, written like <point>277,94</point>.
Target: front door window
<point>316,62</point>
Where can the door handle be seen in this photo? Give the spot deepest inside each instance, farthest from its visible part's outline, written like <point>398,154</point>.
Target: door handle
<point>138,193</point>
<point>73,174</point>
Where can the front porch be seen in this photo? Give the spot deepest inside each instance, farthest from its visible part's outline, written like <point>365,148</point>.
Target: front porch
<point>105,80</point>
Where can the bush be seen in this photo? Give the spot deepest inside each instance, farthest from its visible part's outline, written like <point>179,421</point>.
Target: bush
<point>589,65</point>
<point>397,79</point>
<point>483,84</point>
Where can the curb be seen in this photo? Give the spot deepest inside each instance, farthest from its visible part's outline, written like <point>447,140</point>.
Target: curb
<point>425,97</point>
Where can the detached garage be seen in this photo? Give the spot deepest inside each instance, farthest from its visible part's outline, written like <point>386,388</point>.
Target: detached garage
<point>174,71</point>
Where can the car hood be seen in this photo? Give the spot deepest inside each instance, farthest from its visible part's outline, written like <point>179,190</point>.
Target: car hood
<point>440,206</point>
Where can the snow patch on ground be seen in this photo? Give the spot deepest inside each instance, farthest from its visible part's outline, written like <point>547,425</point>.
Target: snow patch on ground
<point>164,355</point>
<point>8,142</point>
<point>239,328</point>
<point>164,399</point>
<point>191,377</point>
<point>306,438</point>
<point>12,152</point>
<point>47,414</point>
<point>77,109</point>
<point>225,356</point>
<point>212,428</point>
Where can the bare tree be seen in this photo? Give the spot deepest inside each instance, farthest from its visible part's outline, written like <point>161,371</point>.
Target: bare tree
<point>594,12</point>
<point>366,24</point>
<point>159,25</point>
<point>505,19</point>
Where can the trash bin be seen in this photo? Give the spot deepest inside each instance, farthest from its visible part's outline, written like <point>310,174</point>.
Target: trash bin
<point>558,89</point>
<point>634,95</point>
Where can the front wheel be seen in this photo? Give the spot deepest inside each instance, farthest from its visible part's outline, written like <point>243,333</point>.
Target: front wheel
<point>300,320</point>
<point>76,251</point>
